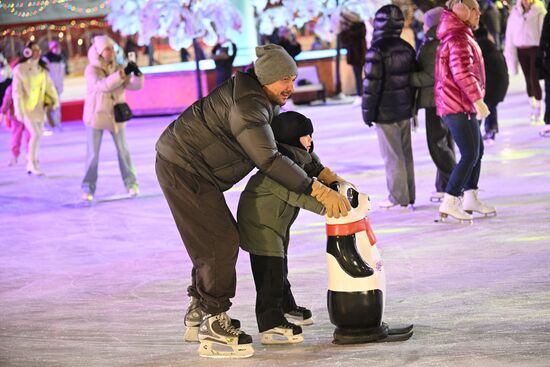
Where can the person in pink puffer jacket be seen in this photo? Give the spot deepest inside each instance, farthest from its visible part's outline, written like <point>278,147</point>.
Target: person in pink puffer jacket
<point>459,90</point>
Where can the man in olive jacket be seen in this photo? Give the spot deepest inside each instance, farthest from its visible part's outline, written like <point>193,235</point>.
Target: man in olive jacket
<point>211,146</point>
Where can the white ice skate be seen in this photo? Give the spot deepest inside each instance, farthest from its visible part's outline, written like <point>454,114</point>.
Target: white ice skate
<point>386,204</point>
<point>13,161</point>
<point>32,168</point>
<point>452,206</point>
<point>219,339</point>
<point>473,204</point>
<point>87,197</point>
<point>545,131</point>
<point>436,196</point>
<point>536,115</point>
<point>193,318</point>
<point>133,191</point>
<point>287,333</point>
<point>299,316</point>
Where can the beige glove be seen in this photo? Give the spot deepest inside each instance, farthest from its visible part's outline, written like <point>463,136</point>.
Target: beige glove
<point>328,176</point>
<point>334,203</point>
<point>481,109</point>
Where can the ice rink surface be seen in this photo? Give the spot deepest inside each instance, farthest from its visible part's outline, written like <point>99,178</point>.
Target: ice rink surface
<point>105,285</point>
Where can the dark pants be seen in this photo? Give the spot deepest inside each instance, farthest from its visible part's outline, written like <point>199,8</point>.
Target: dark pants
<point>209,233</point>
<point>466,133</point>
<point>358,74</point>
<point>491,121</point>
<point>273,294</point>
<point>527,57</point>
<point>441,147</point>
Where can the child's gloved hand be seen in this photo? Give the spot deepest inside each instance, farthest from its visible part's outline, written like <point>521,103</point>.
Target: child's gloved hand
<point>334,203</point>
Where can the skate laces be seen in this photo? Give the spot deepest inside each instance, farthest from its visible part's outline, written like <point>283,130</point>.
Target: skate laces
<point>225,324</point>
<point>288,325</point>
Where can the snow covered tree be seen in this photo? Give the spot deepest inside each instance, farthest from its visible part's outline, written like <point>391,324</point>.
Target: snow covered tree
<point>326,13</point>
<point>180,21</point>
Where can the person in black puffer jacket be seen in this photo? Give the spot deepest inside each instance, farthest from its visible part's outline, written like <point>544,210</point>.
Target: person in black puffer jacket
<point>497,82</point>
<point>211,146</point>
<point>388,100</point>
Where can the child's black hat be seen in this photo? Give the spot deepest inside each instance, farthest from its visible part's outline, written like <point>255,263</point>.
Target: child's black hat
<point>289,126</point>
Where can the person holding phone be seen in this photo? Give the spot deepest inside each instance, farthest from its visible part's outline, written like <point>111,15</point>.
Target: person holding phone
<point>106,82</point>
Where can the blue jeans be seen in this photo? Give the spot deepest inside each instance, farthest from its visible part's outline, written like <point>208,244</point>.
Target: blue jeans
<point>92,159</point>
<point>467,135</point>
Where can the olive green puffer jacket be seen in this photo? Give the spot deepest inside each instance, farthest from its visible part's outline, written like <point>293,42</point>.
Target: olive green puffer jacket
<point>267,210</point>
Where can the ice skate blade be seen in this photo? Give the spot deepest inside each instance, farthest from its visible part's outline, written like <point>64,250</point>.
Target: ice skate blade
<point>191,334</point>
<point>436,199</point>
<point>35,173</point>
<point>489,214</point>
<point>298,321</point>
<point>278,339</point>
<point>443,217</point>
<point>210,349</point>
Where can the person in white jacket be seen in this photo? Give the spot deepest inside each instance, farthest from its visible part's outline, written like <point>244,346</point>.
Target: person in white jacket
<point>523,33</point>
<point>106,82</point>
<point>57,66</point>
<point>33,93</point>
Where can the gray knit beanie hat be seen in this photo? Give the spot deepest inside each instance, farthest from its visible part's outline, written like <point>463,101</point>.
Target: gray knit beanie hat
<point>273,64</point>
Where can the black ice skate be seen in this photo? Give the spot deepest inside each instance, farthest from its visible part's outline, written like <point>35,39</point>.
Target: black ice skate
<point>300,316</point>
<point>286,333</point>
<point>193,318</point>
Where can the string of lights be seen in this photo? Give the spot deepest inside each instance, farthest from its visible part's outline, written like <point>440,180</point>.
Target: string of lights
<point>29,4</point>
<point>25,9</point>
<point>86,10</point>
<point>15,32</point>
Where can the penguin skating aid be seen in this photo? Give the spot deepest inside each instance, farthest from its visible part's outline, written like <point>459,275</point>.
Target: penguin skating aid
<point>356,277</point>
